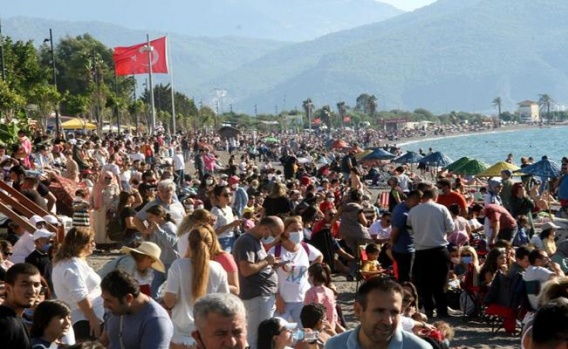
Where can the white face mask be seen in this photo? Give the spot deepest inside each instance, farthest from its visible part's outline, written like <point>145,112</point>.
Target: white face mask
<point>268,240</point>
<point>208,181</point>
<point>440,192</point>
<point>294,237</point>
<point>223,183</point>
<point>330,200</point>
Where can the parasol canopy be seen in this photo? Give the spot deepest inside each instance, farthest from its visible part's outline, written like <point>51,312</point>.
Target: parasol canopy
<point>78,124</point>
<point>471,167</point>
<point>543,168</point>
<point>496,169</point>
<point>436,158</point>
<point>271,140</point>
<point>338,144</point>
<point>410,157</point>
<point>378,154</point>
<point>228,132</point>
<point>461,161</point>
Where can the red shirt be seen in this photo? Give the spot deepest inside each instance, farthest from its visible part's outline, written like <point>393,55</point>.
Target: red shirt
<point>452,198</point>
<point>495,213</point>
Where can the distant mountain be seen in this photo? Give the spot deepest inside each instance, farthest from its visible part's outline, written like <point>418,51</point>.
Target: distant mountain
<point>282,20</point>
<point>194,59</point>
<point>451,55</point>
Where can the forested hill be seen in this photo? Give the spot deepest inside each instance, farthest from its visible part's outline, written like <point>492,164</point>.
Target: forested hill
<point>452,55</point>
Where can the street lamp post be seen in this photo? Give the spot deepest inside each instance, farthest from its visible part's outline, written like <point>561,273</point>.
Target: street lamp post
<point>57,121</point>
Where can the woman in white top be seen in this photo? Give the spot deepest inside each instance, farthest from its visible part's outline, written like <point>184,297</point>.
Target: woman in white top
<point>295,257</point>
<point>77,284</point>
<point>226,224</point>
<point>190,278</point>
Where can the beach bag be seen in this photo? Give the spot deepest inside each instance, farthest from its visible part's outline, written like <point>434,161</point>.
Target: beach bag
<point>115,228</point>
<point>467,303</point>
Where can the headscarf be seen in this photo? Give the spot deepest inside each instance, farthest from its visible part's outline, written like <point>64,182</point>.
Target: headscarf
<point>98,189</point>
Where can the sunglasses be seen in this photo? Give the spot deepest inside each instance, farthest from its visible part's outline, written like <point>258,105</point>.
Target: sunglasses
<point>7,253</point>
<point>108,178</point>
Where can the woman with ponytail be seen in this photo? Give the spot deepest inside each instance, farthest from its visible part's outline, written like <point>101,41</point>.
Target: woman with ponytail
<point>162,232</point>
<point>190,278</point>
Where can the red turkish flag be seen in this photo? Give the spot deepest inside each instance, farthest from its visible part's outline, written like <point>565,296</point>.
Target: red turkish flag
<point>134,59</point>
<point>317,121</point>
<point>347,119</point>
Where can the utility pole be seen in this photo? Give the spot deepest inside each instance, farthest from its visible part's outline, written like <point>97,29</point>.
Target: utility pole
<point>2,66</point>
<point>57,121</point>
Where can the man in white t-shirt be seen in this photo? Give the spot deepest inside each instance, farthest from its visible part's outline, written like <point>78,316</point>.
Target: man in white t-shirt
<point>380,230</point>
<point>541,269</point>
<point>25,244</point>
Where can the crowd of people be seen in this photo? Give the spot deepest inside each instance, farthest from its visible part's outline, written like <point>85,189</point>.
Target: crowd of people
<point>240,251</point>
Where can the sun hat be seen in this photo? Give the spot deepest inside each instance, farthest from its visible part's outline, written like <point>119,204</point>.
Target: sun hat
<point>149,249</point>
<point>51,219</point>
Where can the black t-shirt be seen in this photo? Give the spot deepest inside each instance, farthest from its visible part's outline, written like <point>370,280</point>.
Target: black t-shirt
<point>14,335</point>
<point>124,214</point>
<point>40,260</point>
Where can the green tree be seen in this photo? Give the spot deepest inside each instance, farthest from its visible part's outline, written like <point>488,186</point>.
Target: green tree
<point>545,101</point>
<point>497,103</point>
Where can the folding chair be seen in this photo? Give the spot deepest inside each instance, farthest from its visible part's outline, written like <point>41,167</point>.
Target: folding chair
<point>360,258</point>
<point>505,299</point>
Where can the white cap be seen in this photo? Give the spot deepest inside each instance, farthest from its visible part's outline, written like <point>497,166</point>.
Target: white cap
<point>35,219</point>
<point>287,325</point>
<point>42,233</point>
<point>51,219</point>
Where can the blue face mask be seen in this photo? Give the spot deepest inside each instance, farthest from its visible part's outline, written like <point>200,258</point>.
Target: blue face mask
<point>467,260</point>
<point>45,248</point>
<point>268,240</point>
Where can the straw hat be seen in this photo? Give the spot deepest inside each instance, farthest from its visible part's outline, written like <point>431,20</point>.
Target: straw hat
<point>149,249</point>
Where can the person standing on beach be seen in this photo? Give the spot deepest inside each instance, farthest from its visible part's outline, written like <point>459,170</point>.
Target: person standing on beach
<point>448,197</point>
<point>507,190</point>
<point>430,224</point>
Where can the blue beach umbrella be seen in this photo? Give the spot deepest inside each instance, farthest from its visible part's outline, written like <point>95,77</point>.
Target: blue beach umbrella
<point>437,159</point>
<point>543,168</point>
<point>378,154</point>
<point>410,157</point>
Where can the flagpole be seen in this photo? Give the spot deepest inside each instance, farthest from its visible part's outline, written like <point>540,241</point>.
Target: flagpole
<point>151,87</point>
<point>171,87</point>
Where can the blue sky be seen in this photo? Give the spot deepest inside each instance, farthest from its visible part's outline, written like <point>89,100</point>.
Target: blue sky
<point>408,5</point>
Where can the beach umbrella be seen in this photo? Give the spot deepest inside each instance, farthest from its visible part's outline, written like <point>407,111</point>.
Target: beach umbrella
<point>436,158</point>
<point>363,153</point>
<point>471,167</point>
<point>303,160</point>
<point>410,157</point>
<point>338,144</point>
<point>378,154</point>
<point>78,124</point>
<point>228,132</point>
<point>457,163</point>
<point>496,169</point>
<point>543,168</point>
<point>270,140</point>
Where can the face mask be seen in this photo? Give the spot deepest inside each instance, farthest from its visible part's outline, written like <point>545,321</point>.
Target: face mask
<point>330,200</point>
<point>200,207</point>
<point>45,248</point>
<point>223,183</point>
<point>295,237</point>
<point>467,259</point>
<point>268,240</point>
<point>440,192</point>
<point>208,181</point>
<point>455,260</point>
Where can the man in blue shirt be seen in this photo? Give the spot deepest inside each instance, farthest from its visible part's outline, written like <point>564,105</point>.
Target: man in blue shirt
<point>401,241</point>
<point>378,306</point>
<point>134,321</point>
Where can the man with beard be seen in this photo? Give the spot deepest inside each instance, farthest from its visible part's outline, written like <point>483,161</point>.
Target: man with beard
<point>23,284</point>
<point>378,307</point>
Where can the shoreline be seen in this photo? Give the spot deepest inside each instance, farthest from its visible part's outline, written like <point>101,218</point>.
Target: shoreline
<point>506,129</point>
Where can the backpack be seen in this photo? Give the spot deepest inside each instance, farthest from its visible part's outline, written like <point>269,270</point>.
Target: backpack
<point>115,228</point>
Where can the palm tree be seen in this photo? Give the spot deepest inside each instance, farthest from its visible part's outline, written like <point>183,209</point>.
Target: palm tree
<point>341,109</point>
<point>546,101</point>
<point>497,103</point>
<point>372,105</point>
<point>309,108</point>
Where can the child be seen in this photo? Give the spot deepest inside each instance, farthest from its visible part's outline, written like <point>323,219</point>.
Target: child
<point>319,275</point>
<point>371,267</point>
<point>248,219</point>
<point>522,236</point>
<point>81,209</point>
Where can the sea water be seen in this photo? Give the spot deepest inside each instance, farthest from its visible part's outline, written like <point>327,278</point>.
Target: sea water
<point>494,146</point>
